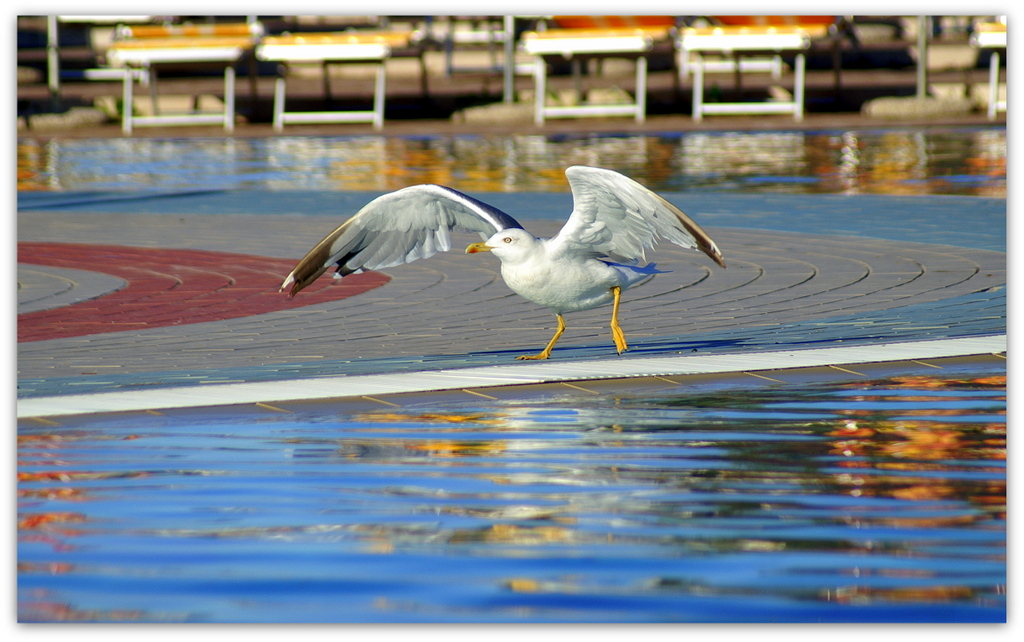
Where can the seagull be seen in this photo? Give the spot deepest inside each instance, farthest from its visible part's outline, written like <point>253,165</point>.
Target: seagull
<point>594,257</point>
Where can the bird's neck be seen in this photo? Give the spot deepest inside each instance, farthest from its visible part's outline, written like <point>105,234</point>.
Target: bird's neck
<point>523,255</point>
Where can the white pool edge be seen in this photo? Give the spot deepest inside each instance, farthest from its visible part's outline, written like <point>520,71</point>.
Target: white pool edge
<point>197,396</point>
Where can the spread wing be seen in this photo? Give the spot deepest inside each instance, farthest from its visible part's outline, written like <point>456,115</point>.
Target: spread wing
<point>616,217</point>
<point>399,227</point>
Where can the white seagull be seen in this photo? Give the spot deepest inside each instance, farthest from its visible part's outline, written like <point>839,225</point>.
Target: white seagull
<point>593,258</point>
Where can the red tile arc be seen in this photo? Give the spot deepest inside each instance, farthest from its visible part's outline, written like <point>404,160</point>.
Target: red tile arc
<point>172,287</point>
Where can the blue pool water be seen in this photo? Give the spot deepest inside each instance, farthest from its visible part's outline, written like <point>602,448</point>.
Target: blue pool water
<point>962,161</point>
<point>881,501</point>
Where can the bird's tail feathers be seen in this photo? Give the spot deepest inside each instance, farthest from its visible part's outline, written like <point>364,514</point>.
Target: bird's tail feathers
<point>650,268</point>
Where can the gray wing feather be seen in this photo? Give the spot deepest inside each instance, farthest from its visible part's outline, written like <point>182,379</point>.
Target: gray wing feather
<point>616,217</point>
<point>398,227</point>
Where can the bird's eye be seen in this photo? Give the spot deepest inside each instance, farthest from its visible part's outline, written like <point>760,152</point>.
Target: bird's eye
<point>507,239</point>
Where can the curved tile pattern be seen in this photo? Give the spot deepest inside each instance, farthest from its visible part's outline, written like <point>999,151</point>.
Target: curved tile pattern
<point>167,287</point>
<point>455,308</point>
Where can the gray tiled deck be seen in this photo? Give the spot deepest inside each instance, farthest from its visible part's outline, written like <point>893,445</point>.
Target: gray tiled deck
<point>804,271</point>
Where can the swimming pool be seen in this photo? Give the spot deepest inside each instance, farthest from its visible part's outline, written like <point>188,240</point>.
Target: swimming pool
<point>875,501</point>
<point>964,161</point>
<point>843,499</point>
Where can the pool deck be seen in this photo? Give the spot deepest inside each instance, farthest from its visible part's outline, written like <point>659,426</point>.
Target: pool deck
<point>153,303</point>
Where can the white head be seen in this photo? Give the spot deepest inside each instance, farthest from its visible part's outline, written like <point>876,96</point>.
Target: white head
<point>512,244</point>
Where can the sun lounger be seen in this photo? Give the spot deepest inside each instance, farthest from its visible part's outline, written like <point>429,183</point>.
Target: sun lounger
<point>992,35</point>
<point>144,47</point>
<point>735,41</point>
<point>327,48</point>
<point>578,45</point>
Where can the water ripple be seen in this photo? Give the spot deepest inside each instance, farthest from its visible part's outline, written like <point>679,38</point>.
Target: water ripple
<point>820,503</point>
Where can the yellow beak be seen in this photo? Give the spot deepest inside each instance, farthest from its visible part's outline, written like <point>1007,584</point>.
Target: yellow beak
<point>477,247</point>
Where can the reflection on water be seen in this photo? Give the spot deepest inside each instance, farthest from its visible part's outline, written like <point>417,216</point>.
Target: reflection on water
<point>880,501</point>
<point>970,161</point>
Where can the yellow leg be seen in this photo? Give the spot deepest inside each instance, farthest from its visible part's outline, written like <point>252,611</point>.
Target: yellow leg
<point>546,352</point>
<point>617,334</point>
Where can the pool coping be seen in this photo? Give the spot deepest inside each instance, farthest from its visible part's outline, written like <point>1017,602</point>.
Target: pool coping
<point>471,379</point>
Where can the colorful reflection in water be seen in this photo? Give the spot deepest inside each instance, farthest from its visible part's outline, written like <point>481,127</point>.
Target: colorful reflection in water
<point>969,161</point>
<point>879,501</point>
